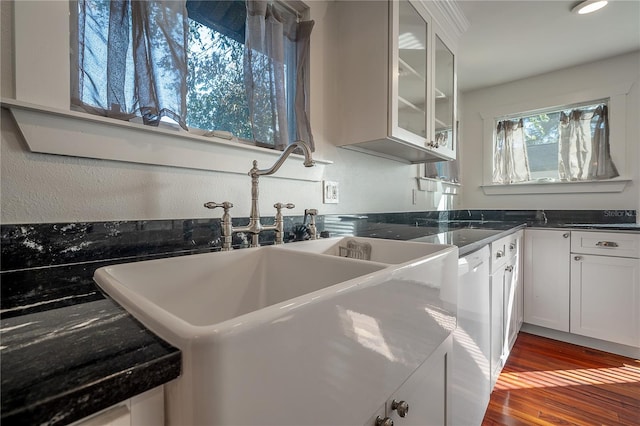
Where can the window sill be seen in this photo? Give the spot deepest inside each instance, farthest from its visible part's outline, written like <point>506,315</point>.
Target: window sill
<point>616,185</point>
<point>438,185</point>
<point>63,132</point>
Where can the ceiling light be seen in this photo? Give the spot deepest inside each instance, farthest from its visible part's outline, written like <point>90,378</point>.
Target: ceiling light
<point>589,6</point>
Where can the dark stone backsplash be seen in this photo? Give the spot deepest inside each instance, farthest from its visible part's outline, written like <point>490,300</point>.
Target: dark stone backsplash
<point>51,265</point>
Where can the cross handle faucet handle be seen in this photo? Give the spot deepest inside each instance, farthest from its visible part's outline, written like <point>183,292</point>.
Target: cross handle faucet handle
<point>225,205</point>
<point>280,206</point>
<point>311,212</point>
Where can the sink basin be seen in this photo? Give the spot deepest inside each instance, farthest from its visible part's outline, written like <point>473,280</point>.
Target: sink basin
<point>381,250</point>
<point>210,288</point>
<point>284,334</point>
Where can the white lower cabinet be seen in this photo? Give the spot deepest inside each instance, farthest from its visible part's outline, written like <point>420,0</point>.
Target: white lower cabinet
<point>546,278</point>
<point>506,299</point>
<point>423,398</point>
<point>497,323</point>
<point>144,409</point>
<point>605,298</point>
<point>584,282</point>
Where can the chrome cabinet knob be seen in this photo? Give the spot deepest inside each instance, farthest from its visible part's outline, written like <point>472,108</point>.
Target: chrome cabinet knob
<point>499,254</point>
<point>566,235</point>
<point>402,407</point>
<point>384,421</point>
<point>577,258</point>
<point>509,268</point>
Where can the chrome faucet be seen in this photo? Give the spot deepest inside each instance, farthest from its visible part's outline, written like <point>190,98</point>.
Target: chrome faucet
<point>255,226</point>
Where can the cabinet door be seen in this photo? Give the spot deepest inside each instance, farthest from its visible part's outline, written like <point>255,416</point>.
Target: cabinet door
<point>443,98</point>
<point>510,308</point>
<point>425,392</point>
<point>546,278</point>
<point>497,322</point>
<point>605,298</point>
<point>410,39</point>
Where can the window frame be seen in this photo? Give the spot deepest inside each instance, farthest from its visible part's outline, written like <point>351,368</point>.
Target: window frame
<point>617,96</point>
<point>41,108</point>
<point>298,10</point>
<point>528,114</point>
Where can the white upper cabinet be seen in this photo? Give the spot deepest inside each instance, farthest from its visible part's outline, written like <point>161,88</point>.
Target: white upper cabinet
<point>395,81</point>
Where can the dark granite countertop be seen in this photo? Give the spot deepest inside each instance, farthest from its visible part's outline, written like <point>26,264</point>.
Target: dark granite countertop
<point>63,364</point>
<point>68,352</point>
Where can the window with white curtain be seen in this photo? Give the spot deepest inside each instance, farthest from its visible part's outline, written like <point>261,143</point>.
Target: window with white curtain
<point>561,144</point>
<point>238,66</point>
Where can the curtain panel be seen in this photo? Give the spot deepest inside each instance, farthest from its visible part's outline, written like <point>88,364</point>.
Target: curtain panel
<point>271,39</point>
<point>145,46</point>
<point>583,148</point>
<point>510,160</point>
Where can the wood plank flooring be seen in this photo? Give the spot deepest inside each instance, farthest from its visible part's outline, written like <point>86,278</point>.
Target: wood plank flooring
<point>547,382</point>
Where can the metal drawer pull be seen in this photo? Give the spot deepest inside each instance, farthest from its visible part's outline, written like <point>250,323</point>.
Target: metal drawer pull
<point>606,244</point>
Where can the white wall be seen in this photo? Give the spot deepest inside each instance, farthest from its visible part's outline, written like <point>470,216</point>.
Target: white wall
<point>536,90</point>
<point>39,188</point>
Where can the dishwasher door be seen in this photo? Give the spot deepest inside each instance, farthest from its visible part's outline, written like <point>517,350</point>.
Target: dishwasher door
<point>471,341</point>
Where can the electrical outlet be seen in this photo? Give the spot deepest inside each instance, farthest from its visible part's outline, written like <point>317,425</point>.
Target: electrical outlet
<point>330,192</point>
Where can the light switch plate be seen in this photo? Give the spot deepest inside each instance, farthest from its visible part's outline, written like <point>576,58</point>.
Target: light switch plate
<point>330,192</point>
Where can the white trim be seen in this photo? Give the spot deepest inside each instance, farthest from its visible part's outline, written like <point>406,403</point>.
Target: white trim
<point>43,114</point>
<point>617,95</point>
<point>438,185</point>
<point>614,185</point>
<point>62,132</point>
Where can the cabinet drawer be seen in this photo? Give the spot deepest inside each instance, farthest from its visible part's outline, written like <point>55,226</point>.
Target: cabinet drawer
<point>606,243</point>
<point>504,249</point>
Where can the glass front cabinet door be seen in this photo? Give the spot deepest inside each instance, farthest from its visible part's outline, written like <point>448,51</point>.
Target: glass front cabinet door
<point>396,81</point>
<point>409,67</point>
<point>444,99</point>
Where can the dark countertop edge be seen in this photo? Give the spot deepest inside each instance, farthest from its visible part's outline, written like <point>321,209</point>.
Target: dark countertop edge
<point>98,395</point>
<point>630,227</point>
<point>475,246</point>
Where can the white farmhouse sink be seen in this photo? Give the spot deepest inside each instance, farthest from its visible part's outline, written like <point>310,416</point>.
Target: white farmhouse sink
<point>292,334</point>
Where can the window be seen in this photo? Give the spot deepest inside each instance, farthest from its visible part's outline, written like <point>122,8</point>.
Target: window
<point>560,144</point>
<point>216,95</point>
<point>206,65</point>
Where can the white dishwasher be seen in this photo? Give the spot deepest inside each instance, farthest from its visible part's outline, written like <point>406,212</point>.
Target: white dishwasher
<point>471,341</point>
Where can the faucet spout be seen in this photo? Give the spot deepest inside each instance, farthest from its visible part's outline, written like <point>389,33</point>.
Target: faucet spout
<point>308,160</point>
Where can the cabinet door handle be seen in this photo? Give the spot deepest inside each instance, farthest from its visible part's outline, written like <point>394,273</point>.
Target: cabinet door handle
<point>402,407</point>
<point>384,421</point>
<point>499,254</point>
<point>606,244</point>
<point>577,258</point>
<point>565,235</point>
<point>509,268</point>
<point>512,246</point>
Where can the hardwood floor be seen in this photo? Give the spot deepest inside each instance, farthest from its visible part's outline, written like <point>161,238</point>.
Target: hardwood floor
<point>547,382</point>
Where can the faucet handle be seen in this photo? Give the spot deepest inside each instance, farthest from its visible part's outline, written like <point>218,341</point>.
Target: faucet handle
<point>310,212</point>
<point>225,205</point>
<point>280,206</point>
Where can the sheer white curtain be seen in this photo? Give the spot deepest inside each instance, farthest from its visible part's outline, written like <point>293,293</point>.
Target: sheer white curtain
<point>270,38</point>
<point>583,146</point>
<point>510,160</point>
<point>145,46</point>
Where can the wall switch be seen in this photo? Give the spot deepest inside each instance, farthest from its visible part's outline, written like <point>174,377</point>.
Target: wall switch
<point>330,192</point>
